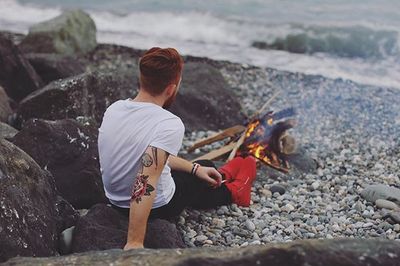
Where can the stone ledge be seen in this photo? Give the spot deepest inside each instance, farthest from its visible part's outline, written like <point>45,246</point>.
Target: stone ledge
<point>304,252</point>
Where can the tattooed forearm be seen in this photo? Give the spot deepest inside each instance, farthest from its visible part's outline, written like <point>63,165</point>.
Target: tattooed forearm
<point>141,188</point>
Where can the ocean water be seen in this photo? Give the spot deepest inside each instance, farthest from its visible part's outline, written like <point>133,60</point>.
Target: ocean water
<point>357,40</point>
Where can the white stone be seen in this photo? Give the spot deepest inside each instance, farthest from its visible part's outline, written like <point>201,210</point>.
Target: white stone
<point>218,222</point>
<point>201,238</point>
<point>336,228</point>
<point>266,193</point>
<point>287,208</point>
<point>315,185</point>
<point>250,225</point>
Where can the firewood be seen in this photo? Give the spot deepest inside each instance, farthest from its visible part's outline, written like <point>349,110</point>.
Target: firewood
<point>229,132</point>
<point>215,154</point>
<point>255,116</point>
<point>262,109</point>
<point>236,147</point>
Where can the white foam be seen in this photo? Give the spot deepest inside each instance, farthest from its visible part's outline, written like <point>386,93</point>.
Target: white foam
<point>17,17</point>
<point>189,27</point>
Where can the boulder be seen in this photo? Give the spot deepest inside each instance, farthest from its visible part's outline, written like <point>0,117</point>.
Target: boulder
<point>162,234</point>
<point>105,228</point>
<point>67,216</point>
<point>100,229</point>
<point>28,216</point>
<point>6,131</point>
<point>16,38</point>
<point>204,101</point>
<point>333,252</point>
<point>374,192</point>
<point>17,76</point>
<point>72,32</point>
<point>69,151</point>
<point>5,109</point>
<point>87,95</point>
<point>51,67</point>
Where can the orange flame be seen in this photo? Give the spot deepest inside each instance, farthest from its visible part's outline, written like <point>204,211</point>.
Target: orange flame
<point>257,149</point>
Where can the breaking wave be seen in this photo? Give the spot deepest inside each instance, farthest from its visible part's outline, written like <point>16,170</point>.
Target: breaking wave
<point>353,42</point>
<point>363,51</point>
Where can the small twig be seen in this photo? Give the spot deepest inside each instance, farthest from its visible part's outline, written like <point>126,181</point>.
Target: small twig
<point>262,109</point>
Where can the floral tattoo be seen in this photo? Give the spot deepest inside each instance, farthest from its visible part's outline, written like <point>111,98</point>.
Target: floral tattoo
<point>141,188</point>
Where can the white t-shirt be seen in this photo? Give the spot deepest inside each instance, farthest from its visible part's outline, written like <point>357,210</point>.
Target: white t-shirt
<point>128,128</point>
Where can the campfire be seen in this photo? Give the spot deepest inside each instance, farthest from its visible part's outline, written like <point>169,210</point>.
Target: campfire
<point>265,137</point>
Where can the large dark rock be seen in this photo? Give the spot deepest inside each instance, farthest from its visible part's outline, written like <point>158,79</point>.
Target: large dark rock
<point>73,32</point>
<point>67,216</point>
<point>5,108</point>
<point>334,252</point>
<point>51,67</point>
<point>30,221</point>
<point>88,95</point>
<point>69,151</point>
<point>204,101</point>
<point>105,228</point>
<point>17,76</point>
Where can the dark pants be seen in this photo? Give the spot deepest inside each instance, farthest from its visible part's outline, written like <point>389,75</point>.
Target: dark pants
<point>190,192</point>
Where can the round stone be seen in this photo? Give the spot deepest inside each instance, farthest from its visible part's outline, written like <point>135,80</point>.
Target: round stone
<point>266,193</point>
<point>287,208</point>
<point>277,188</point>
<point>201,238</point>
<point>250,225</point>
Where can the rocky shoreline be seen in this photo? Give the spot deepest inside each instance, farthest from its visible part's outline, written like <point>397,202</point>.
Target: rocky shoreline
<point>348,134</point>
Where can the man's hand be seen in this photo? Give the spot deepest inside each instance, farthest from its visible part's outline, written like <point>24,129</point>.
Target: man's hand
<point>209,175</point>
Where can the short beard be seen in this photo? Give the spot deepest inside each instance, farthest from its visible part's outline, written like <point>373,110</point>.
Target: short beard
<point>169,101</point>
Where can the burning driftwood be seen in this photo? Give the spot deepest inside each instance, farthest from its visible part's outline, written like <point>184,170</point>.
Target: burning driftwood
<point>265,137</point>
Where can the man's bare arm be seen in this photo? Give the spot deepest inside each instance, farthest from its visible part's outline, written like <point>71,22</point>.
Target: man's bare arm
<point>179,164</point>
<point>207,174</point>
<point>143,194</point>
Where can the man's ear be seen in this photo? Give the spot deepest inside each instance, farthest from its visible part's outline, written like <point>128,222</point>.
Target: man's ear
<point>170,89</point>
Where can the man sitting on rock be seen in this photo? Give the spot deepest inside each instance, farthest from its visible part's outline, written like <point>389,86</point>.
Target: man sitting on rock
<point>138,145</point>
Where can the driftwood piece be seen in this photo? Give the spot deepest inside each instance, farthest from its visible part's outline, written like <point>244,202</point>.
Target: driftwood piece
<point>229,132</point>
<point>215,154</point>
<point>237,146</point>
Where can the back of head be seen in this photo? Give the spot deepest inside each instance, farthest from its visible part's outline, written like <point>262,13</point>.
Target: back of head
<point>159,68</point>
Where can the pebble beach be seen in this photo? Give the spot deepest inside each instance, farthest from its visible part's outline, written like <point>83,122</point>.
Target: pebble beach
<point>350,130</point>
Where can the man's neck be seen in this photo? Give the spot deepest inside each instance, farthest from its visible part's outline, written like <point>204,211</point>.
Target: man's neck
<point>146,97</point>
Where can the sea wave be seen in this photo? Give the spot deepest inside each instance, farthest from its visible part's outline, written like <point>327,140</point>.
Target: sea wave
<point>351,42</point>
<point>365,53</point>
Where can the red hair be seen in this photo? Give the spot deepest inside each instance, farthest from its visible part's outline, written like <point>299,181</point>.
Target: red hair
<point>160,68</point>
